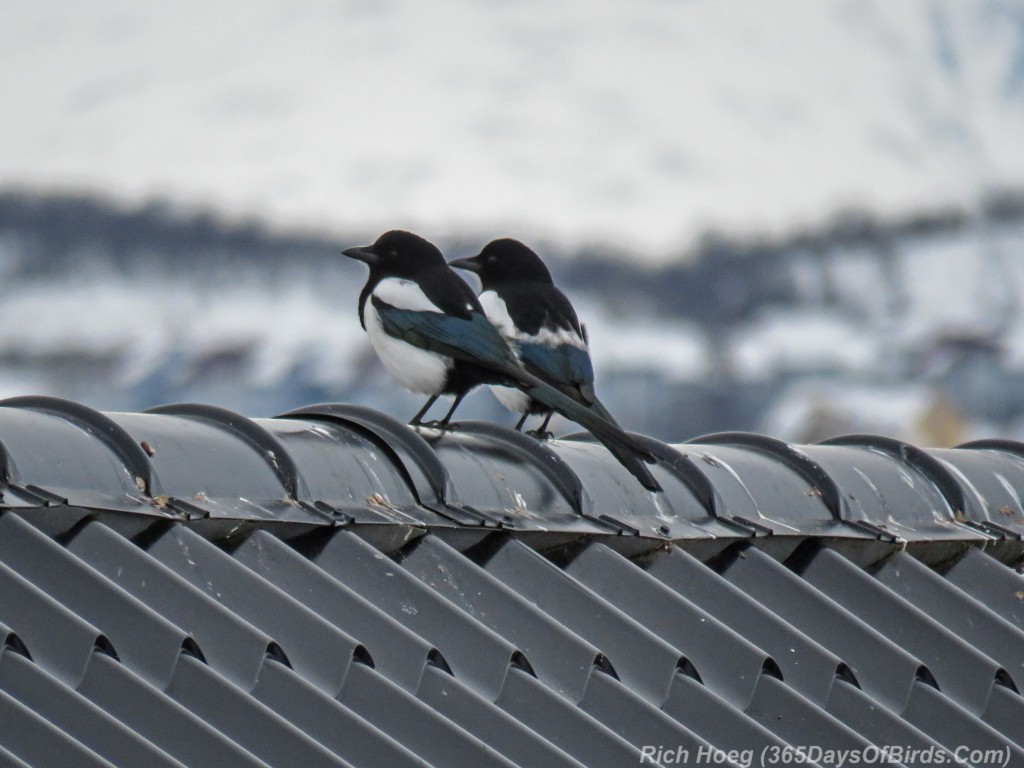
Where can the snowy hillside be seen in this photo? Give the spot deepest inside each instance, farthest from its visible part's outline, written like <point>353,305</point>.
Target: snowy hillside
<point>912,329</point>
<point>640,123</point>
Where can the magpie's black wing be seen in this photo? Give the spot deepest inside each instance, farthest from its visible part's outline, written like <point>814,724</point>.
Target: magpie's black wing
<point>475,340</point>
<point>563,366</point>
<point>472,339</point>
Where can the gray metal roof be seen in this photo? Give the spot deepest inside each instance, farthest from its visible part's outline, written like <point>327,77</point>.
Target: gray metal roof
<point>188,586</point>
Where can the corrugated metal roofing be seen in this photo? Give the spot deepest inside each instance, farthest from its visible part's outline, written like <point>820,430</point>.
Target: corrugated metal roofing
<point>192,587</point>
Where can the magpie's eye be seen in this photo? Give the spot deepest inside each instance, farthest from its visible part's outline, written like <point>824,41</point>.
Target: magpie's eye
<point>393,253</point>
<point>492,260</point>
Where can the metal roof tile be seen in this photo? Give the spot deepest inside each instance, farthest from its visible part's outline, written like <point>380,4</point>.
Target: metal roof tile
<point>341,538</point>
<point>393,449</point>
<point>76,716</point>
<point>880,666</point>
<point>159,718</point>
<point>564,724</point>
<point>229,643</point>
<point>799,722</point>
<point>487,722</point>
<point>990,471</point>
<point>715,720</point>
<point>759,481</point>
<point>640,658</point>
<point>559,657</point>
<point>348,470</point>
<point>9,760</point>
<point>991,583</point>
<point>895,486</point>
<point>144,640</point>
<point>959,613</point>
<point>633,718</point>
<point>1005,713</point>
<point>477,655</point>
<point>880,725</point>
<point>954,727</point>
<point>495,471</point>
<point>189,453</point>
<point>316,648</point>
<point>806,665</point>
<point>962,672</point>
<point>34,739</point>
<point>398,654</point>
<point>413,723</point>
<point>58,639</point>
<point>728,664</point>
<point>327,721</point>
<point>245,720</point>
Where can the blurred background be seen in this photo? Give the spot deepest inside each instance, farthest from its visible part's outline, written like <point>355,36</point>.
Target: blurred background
<point>803,218</point>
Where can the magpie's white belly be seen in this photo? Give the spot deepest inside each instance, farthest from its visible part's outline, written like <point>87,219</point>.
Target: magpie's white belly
<point>418,370</point>
<point>513,399</point>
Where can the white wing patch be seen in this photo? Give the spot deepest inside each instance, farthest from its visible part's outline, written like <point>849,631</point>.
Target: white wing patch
<point>513,399</point>
<point>404,294</point>
<point>418,370</point>
<point>497,313</point>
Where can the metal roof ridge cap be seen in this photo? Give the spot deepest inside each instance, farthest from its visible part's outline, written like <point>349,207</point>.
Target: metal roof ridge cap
<point>411,445</point>
<point>1002,444</point>
<point>790,456</point>
<point>919,459</point>
<point>112,434</point>
<point>271,450</point>
<point>679,465</point>
<point>564,479</point>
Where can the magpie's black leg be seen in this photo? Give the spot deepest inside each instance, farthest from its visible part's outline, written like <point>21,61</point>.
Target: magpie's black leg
<point>544,424</point>
<point>522,420</point>
<point>448,416</point>
<point>541,431</point>
<point>416,420</point>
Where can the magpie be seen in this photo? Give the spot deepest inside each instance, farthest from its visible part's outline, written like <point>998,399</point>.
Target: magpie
<point>431,333</point>
<point>539,323</point>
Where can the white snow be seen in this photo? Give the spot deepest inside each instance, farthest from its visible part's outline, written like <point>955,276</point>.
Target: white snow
<point>639,123</point>
<point>139,328</point>
<point>801,340</point>
<point>842,407</point>
<point>675,349</point>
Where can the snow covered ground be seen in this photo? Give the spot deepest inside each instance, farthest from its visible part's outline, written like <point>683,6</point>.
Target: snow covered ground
<point>924,341</point>
<point>639,124</point>
<point>597,127</point>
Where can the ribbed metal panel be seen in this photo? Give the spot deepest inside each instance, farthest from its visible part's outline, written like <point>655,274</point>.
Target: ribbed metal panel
<point>333,589</point>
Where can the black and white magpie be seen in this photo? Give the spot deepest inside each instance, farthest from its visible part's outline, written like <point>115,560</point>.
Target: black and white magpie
<point>428,328</point>
<point>539,323</point>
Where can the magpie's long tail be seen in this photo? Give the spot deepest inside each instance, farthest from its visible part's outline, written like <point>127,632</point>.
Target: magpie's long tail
<point>598,407</point>
<point>629,452</point>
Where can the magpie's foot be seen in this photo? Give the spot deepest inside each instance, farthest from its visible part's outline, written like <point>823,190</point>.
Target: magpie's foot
<point>435,424</point>
<point>541,435</point>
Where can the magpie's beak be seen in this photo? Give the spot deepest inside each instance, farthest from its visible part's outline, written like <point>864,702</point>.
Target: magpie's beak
<point>470,264</point>
<point>363,253</point>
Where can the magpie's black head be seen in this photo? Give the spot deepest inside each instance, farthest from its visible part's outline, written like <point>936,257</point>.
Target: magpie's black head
<point>505,261</point>
<point>398,253</point>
